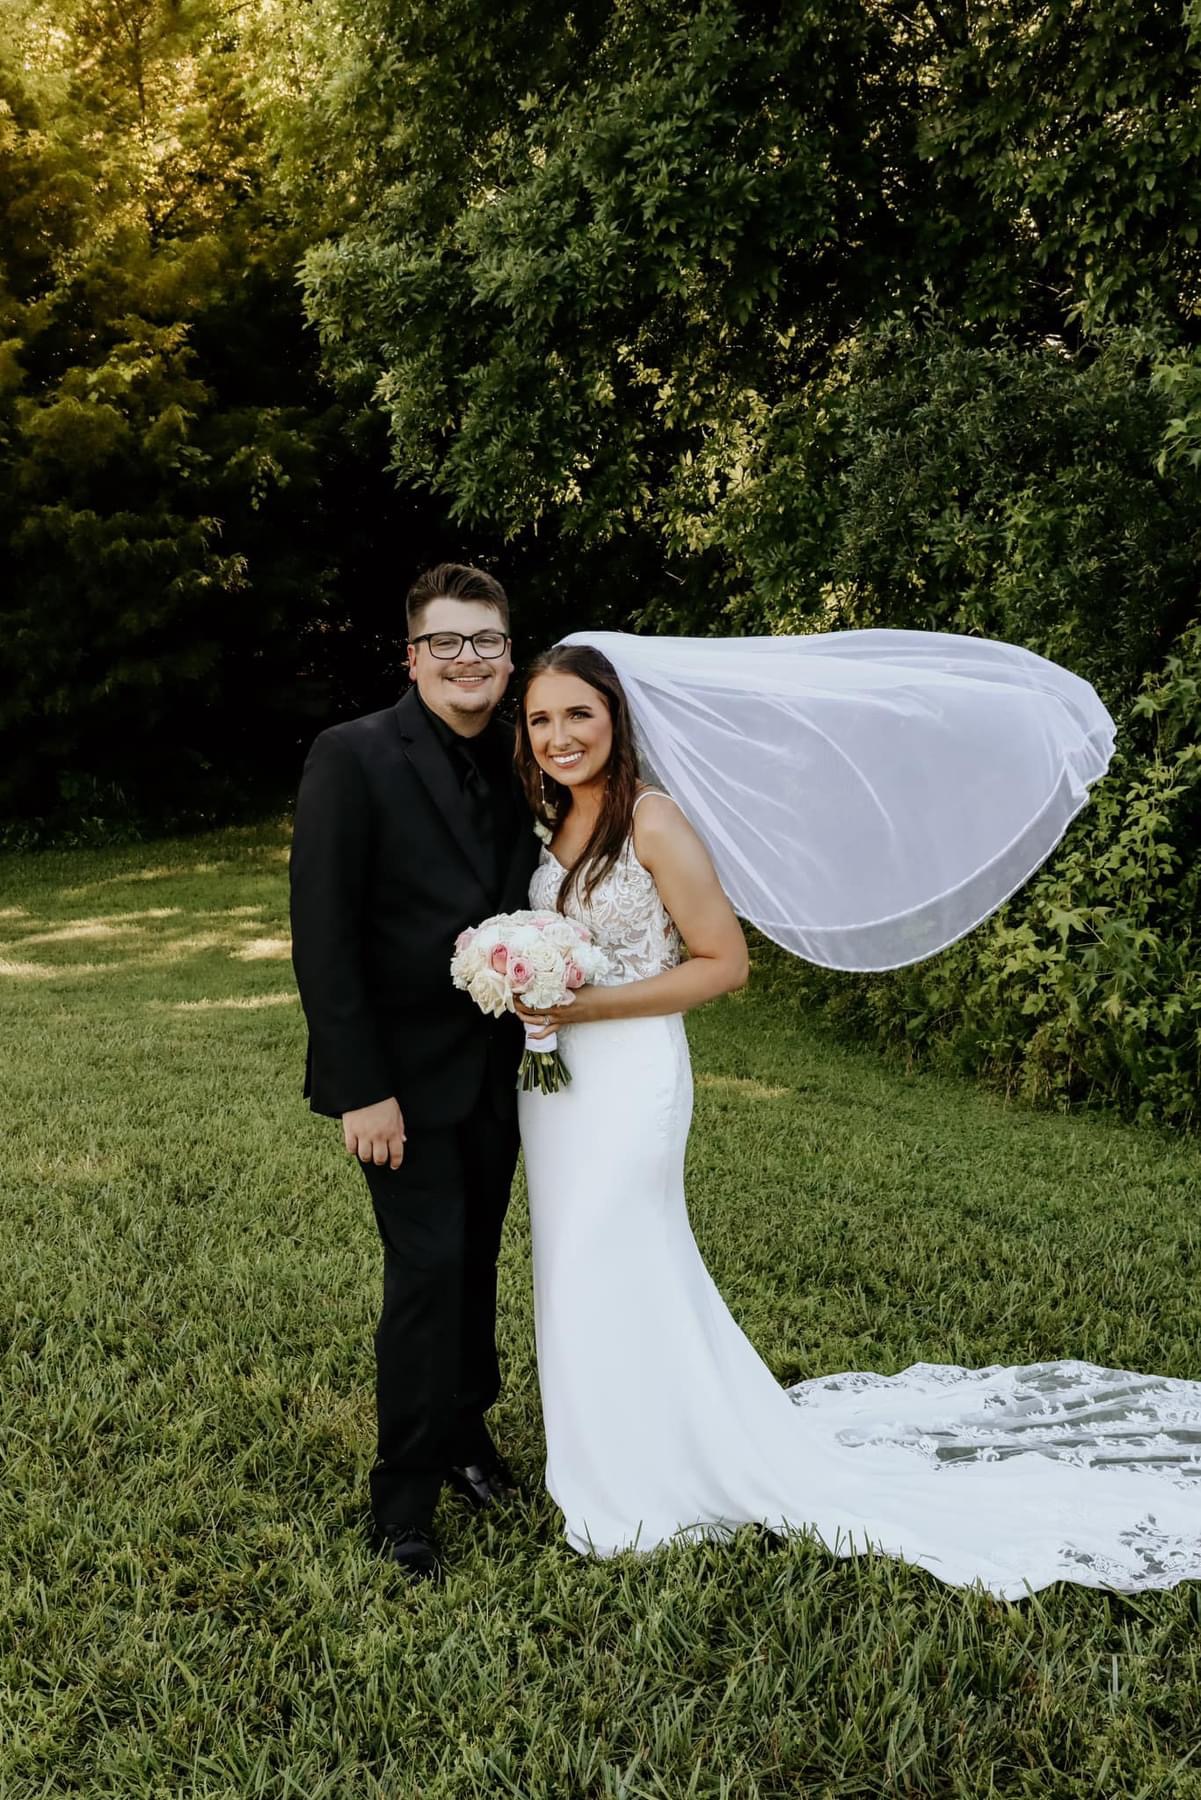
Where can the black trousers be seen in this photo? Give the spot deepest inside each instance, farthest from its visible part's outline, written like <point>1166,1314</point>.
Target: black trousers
<point>439,1217</point>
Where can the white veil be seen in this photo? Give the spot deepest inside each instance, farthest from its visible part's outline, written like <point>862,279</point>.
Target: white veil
<point>867,796</point>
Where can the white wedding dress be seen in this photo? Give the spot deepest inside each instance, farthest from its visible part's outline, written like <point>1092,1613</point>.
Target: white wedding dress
<point>662,1422</point>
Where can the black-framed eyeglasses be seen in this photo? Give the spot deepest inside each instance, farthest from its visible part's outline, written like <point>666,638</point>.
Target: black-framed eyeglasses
<point>447,645</point>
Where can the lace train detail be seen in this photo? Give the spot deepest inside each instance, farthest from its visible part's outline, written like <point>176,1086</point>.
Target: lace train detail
<point>1073,1412</point>
<point>1106,1421</point>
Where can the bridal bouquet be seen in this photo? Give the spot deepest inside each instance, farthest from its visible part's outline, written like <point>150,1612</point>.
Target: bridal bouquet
<point>539,957</point>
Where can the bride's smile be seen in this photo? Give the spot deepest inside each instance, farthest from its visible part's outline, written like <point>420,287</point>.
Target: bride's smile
<point>571,733</point>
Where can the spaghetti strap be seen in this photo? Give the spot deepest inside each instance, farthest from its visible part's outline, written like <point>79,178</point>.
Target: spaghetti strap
<point>662,793</point>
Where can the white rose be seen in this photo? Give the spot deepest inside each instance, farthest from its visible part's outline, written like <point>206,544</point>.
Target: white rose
<point>489,992</point>
<point>543,991</point>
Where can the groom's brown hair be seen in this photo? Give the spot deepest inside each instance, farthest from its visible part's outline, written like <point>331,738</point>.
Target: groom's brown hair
<point>453,581</point>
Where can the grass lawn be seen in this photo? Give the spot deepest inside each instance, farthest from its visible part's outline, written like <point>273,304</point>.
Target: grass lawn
<point>188,1281</point>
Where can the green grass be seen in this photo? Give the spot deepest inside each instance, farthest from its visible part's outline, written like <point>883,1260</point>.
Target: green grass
<point>188,1280</point>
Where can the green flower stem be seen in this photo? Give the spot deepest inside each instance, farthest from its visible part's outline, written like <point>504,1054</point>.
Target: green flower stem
<point>544,1070</point>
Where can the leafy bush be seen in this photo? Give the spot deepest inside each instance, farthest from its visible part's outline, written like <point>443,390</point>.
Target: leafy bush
<point>943,482</point>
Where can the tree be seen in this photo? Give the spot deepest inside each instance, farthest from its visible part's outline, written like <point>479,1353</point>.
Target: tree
<point>590,303</point>
<point>166,441</point>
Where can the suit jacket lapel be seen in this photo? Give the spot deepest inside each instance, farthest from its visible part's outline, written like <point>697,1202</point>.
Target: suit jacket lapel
<point>432,764</point>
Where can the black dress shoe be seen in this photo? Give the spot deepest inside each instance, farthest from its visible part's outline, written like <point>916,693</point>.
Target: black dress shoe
<point>484,1484</point>
<point>412,1549</point>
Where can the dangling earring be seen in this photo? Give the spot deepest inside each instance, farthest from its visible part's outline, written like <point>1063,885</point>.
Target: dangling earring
<point>548,806</point>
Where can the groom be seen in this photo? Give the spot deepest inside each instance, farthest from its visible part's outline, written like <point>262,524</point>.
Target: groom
<point>410,825</point>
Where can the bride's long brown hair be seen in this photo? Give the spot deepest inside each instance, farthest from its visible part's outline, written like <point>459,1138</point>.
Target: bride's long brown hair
<point>550,800</point>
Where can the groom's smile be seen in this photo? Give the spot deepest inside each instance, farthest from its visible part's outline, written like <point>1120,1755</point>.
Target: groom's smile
<point>463,689</point>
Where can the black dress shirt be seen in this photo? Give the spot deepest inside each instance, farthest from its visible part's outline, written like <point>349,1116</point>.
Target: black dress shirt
<point>484,766</point>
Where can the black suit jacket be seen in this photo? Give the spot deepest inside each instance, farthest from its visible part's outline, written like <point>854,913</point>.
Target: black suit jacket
<point>385,872</point>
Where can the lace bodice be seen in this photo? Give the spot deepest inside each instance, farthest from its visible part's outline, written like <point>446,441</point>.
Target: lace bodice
<point>625,914</point>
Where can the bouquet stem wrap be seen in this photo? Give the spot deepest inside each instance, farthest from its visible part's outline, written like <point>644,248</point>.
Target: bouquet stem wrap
<point>542,1065</point>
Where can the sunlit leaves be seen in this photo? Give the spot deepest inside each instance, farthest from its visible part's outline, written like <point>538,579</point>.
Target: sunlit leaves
<point>620,257</point>
<point>651,232</point>
<point>157,432</point>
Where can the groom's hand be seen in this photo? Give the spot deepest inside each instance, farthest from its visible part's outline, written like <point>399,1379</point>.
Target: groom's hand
<point>375,1134</point>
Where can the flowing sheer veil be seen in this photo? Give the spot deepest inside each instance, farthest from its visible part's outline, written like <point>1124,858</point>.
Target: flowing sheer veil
<point>867,796</point>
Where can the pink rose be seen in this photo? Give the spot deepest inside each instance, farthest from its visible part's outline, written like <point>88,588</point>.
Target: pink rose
<point>575,975</point>
<point>585,936</point>
<point>463,939</point>
<point>521,973</point>
<point>500,958</point>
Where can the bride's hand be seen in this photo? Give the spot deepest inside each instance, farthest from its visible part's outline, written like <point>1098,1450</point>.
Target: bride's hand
<point>581,1009</point>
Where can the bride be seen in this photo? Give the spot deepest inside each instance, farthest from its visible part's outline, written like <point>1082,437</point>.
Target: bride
<point>661,1421</point>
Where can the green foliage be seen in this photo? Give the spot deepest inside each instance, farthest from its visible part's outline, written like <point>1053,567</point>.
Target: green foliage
<point>163,437</point>
<point>944,484</point>
<point>565,292</point>
<point>1077,123</point>
<point>589,304</point>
